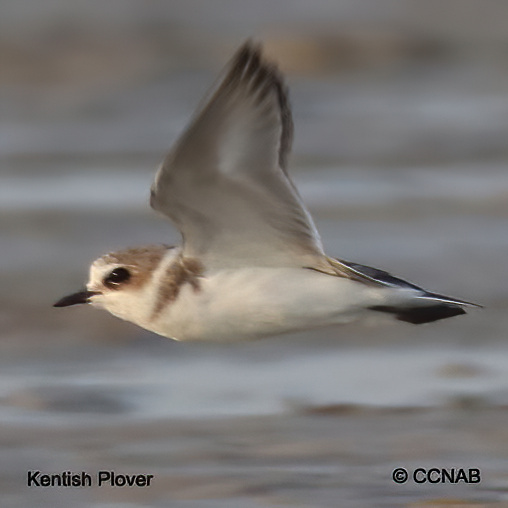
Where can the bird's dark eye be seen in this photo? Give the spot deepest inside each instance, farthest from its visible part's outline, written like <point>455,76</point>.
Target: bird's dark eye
<point>117,277</point>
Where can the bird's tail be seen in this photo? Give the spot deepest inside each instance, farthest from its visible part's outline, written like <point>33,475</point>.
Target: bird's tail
<point>420,313</point>
<point>424,307</point>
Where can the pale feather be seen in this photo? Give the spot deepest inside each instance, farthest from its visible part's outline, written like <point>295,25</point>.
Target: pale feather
<point>225,184</point>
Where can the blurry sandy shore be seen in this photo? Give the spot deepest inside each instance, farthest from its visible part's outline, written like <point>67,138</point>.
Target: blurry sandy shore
<point>318,457</point>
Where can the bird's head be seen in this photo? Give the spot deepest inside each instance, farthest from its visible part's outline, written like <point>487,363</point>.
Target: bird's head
<point>118,282</point>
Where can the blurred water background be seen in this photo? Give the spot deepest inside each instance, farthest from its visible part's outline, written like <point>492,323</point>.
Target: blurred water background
<point>401,112</point>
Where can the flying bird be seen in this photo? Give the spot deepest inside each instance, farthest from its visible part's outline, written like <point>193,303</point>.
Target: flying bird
<point>251,263</point>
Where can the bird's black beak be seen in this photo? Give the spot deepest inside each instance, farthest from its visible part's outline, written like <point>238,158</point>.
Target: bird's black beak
<point>74,299</point>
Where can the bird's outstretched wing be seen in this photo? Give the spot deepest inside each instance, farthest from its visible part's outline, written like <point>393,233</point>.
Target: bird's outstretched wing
<point>225,183</point>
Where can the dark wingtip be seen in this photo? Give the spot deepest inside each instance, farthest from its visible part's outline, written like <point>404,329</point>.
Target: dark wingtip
<point>420,315</point>
<point>249,61</point>
<point>453,301</point>
<point>250,45</point>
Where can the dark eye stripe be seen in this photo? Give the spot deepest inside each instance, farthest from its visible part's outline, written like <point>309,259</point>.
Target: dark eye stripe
<point>117,277</point>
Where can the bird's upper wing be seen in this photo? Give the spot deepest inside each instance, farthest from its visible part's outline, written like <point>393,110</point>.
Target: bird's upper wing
<point>225,185</point>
